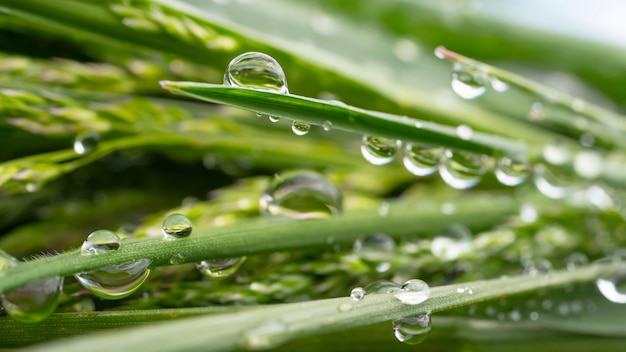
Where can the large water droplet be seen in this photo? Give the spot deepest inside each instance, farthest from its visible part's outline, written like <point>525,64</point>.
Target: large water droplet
<point>551,182</point>
<point>528,213</point>
<point>462,170</point>
<point>327,125</point>
<point>378,150</point>
<point>413,292</point>
<point>468,82</point>
<point>300,128</point>
<point>116,281</point>
<point>100,241</point>
<point>220,268</point>
<point>510,171</point>
<point>256,70</point>
<point>452,242</point>
<point>86,142</point>
<point>382,286</point>
<point>176,225</point>
<point>357,293</point>
<point>412,330</point>
<point>421,160</point>
<point>301,195</point>
<point>613,285</point>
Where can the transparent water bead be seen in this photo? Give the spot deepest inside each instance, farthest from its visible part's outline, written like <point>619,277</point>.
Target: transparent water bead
<point>498,85</point>
<point>99,242</point>
<point>301,195</point>
<point>86,142</point>
<point>576,260</point>
<point>357,294</point>
<point>421,160</point>
<point>412,330</point>
<point>551,182</point>
<point>220,268</point>
<point>454,241</point>
<point>378,150</point>
<point>116,281</point>
<point>176,226</point>
<point>462,170</point>
<point>300,128</point>
<point>511,171</point>
<point>468,82</point>
<point>256,70</point>
<point>377,248</point>
<point>413,292</point>
<point>273,119</point>
<point>613,284</point>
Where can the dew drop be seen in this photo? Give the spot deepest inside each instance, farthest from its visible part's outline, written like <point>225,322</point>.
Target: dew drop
<point>468,82</point>
<point>382,287</point>
<point>273,119</point>
<point>116,281</point>
<point>378,150</point>
<point>551,182</point>
<point>421,160</point>
<point>412,330</point>
<point>498,85</point>
<point>462,170</point>
<point>256,70</point>
<point>537,267</point>
<point>613,284</point>
<point>357,294</point>
<point>301,195</point>
<point>220,268</point>
<point>327,125</point>
<point>300,128</point>
<point>176,226</point>
<point>377,248</point>
<point>268,334</point>
<point>511,172</point>
<point>575,260</point>
<point>464,132</point>
<point>86,142</point>
<point>99,242</point>
<point>452,242</point>
<point>536,112</point>
<point>413,292</point>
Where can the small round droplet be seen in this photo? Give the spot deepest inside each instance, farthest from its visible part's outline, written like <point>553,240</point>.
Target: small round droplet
<point>576,260</point>
<point>116,281</point>
<point>273,119</point>
<point>421,160</point>
<point>176,226</point>
<point>86,142</point>
<point>462,170</point>
<point>378,150</point>
<point>452,242</point>
<point>300,128</point>
<point>468,82</point>
<point>556,153</point>
<point>99,242</point>
<point>511,172</point>
<point>220,268</point>
<point>613,284</point>
<point>357,294</point>
<point>537,267</point>
<point>301,195</point>
<point>412,330</point>
<point>536,112</point>
<point>256,70</point>
<point>413,292</point>
<point>551,182</point>
<point>464,132</point>
<point>327,125</point>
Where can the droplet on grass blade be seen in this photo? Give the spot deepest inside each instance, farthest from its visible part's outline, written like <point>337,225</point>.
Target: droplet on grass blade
<point>256,70</point>
<point>412,330</point>
<point>176,226</point>
<point>378,150</point>
<point>462,170</point>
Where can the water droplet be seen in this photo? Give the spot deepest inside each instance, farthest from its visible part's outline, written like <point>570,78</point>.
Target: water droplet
<point>511,172</point>
<point>528,213</point>
<point>575,260</point>
<point>220,268</point>
<point>551,182</point>
<point>256,70</point>
<point>533,316</point>
<point>176,226</point>
<point>588,164</point>
<point>273,119</point>
<point>86,142</point>
<point>327,125</point>
<point>464,132</point>
<point>378,150</point>
<point>259,115</point>
<point>556,153</point>
<point>412,330</point>
<point>462,170</point>
<point>536,112</point>
<point>267,335</point>
<point>301,195</point>
<point>35,301</point>
<point>377,248</point>
<point>498,85</point>
<point>421,160</point>
<point>177,259</point>
<point>515,315</point>
<point>587,140</point>
<point>537,267</point>
<point>300,128</point>
<point>452,242</point>
<point>468,82</point>
<point>357,293</point>
<point>413,292</point>
<point>99,242</point>
<point>382,286</point>
<point>613,284</point>
<point>116,281</point>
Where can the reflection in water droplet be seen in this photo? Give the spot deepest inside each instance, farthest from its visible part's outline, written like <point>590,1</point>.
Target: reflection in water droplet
<point>421,160</point>
<point>528,213</point>
<point>382,286</point>
<point>413,292</point>
<point>220,268</point>
<point>176,226</point>
<point>468,82</point>
<point>613,284</point>
<point>452,242</point>
<point>116,281</point>
<point>300,128</point>
<point>378,249</point>
<point>357,293</point>
<point>99,242</point>
<point>378,150</point>
<point>464,132</point>
<point>412,330</point>
<point>511,172</point>
<point>462,170</point>
<point>86,142</point>
<point>301,195</point>
<point>256,70</point>
<point>551,182</point>
<point>536,112</point>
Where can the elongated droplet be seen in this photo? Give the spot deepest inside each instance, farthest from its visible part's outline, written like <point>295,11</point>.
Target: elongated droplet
<point>462,170</point>
<point>301,195</point>
<point>511,172</point>
<point>468,82</point>
<point>300,128</point>
<point>551,182</point>
<point>220,268</point>
<point>413,292</point>
<point>357,294</point>
<point>86,142</point>
<point>613,285</point>
<point>382,286</point>
<point>412,330</point>
<point>116,281</point>
<point>452,242</point>
<point>421,160</point>
<point>378,150</point>
<point>176,226</point>
<point>256,70</point>
<point>99,242</point>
